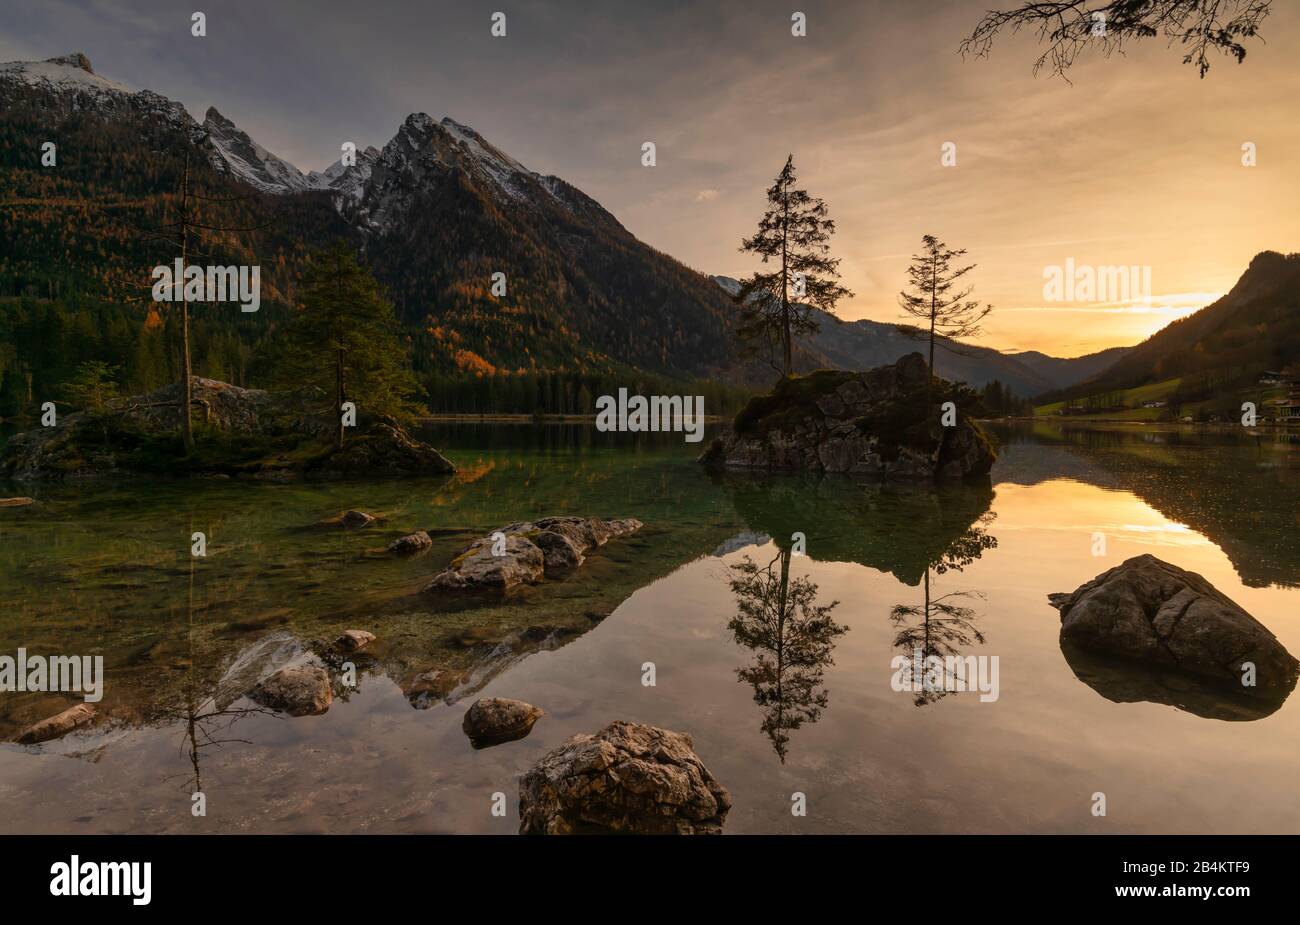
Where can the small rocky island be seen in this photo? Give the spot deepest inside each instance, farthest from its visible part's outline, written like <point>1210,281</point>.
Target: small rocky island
<point>242,433</point>
<point>876,423</point>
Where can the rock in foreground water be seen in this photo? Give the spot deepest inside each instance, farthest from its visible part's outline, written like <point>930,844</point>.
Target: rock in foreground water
<point>528,551</point>
<point>410,544</point>
<point>628,778</point>
<point>299,690</point>
<point>1148,610</point>
<point>353,640</point>
<point>494,720</point>
<point>60,724</point>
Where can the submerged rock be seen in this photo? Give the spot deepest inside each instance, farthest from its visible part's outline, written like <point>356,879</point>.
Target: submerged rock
<point>299,690</point>
<point>629,778</point>
<point>549,547</point>
<point>494,720</point>
<point>875,423</point>
<point>1148,610</point>
<point>411,543</point>
<point>348,520</point>
<point>354,640</point>
<point>60,724</point>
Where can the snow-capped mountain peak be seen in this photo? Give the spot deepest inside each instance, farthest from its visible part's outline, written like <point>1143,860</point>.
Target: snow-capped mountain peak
<point>249,161</point>
<point>64,73</point>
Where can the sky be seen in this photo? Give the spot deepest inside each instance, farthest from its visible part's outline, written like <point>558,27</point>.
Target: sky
<point>1134,162</point>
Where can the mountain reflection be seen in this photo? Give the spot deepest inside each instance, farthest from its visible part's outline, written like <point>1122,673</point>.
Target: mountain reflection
<point>792,636</point>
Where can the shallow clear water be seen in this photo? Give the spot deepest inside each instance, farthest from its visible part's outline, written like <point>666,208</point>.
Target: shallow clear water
<point>105,569</point>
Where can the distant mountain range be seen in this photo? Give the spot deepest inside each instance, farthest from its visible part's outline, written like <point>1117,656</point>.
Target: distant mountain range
<point>863,344</point>
<point>1231,342</point>
<point>438,210</point>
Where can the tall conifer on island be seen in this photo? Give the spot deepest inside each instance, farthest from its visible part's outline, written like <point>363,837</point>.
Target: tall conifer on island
<point>778,305</point>
<point>944,310</point>
<point>345,339</point>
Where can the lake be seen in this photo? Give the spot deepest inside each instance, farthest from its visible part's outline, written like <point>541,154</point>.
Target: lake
<point>804,708</point>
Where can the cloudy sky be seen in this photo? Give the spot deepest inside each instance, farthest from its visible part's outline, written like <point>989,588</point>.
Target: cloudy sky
<point>1136,162</point>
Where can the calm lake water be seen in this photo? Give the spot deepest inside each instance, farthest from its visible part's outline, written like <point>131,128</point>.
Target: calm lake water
<point>105,569</point>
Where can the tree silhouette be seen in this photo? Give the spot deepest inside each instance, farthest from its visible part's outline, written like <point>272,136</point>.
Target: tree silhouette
<point>777,306</point>
<point>793,637</point>
<point>1072,26</point>
<point>946,311</point>
<point>345,338</point>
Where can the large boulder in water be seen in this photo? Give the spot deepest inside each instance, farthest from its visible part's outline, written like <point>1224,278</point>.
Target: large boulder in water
<point>876,423</point>
<point>549,547</point>
<point>627,778</point>
<point>1148,610</point>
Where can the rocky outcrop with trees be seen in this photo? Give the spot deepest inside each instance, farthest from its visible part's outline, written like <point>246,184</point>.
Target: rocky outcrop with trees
<point>251,433</point>
<point>885,423</point>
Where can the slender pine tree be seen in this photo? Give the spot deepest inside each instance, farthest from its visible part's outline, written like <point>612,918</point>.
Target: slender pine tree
<point>779,305</point>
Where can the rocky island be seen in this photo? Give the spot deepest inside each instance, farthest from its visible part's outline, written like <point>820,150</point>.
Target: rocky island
<point>872,423</point>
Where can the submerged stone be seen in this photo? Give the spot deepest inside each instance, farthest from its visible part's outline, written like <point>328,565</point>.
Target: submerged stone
<point>494,720</point>
<point>60,724</point>
<point>526,552</point>
<point>299,690</point>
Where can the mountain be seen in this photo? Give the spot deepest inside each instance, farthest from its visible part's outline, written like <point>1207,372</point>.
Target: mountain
<point>865,344</point>
<point>1253,328</point>
<point>248,161</point>
<point>438,211</point>
<point>1061,372</point>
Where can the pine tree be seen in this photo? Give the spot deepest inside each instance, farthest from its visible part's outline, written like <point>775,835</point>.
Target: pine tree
<point>946,312</point>
<point>345,339</point>
<point>778,305</point>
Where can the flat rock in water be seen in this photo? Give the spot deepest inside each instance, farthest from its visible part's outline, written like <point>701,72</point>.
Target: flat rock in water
<point>493,720</point>
<point>299,690</point>
<point>354,640</point>
<point>1148,610</point>
<point>628,778</point>
<point>410,544</point>
<point>60,724</point>
<point>532,550</point>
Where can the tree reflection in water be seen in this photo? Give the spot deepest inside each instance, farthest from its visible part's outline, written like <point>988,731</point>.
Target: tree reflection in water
<point>793,638</point>
<point>942,626</point>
